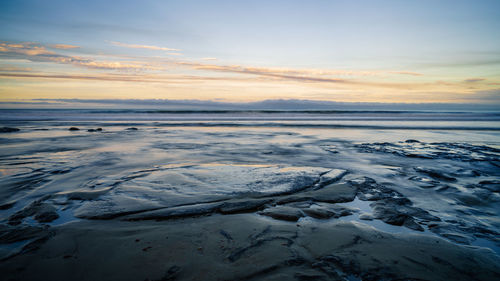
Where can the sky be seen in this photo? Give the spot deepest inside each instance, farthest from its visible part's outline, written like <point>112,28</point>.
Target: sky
<point>426,51</point>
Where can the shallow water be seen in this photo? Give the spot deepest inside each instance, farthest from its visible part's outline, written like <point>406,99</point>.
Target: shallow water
<point>183,160</point>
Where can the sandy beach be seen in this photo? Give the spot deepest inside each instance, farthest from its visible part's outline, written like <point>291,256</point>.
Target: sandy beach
<point>149,201</point>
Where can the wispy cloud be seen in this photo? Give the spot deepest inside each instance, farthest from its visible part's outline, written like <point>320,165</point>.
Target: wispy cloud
<point>208,58</point>
<point>39,53</point>
<point>63,46</point>
<point>27,48</point>
<point>406,73</point>
<point>122,77</point>
<point>301,73</point>
<point>150,47</point>
<point>474,80</point>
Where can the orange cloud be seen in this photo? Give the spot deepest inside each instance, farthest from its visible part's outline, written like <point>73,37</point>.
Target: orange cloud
<point>150,47</point>
<point>63,46</point>
<point>30,49</point>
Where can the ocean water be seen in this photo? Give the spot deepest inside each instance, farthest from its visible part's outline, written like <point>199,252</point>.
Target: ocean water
<point>446,163</point>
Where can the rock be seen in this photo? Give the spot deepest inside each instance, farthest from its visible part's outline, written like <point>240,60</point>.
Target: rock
<point>332,176</point>
<point>73,129</point>
<point>42,212</point>
<point>99,129</point>
<point>325,211</point>
<point>241,206</point>
<point>318,213</point>
<point>175,212</point>
<point>132,129</point>
<point>369,190</point>
<point>335,193</point>
<point>366,216</point>
<point>283,213</point>
<point>332,193</point>
<point>85,194</point>
<point>439,175</point>
<point>8,130</point>
<point>91,130</point>
<point>398,211</point>
<point>412,141</point>
<point>46,213</point>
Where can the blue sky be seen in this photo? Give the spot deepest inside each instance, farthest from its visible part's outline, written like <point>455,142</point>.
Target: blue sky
<point>444,42</point>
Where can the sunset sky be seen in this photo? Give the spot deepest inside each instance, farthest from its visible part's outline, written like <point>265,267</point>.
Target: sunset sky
<point>349,51</point>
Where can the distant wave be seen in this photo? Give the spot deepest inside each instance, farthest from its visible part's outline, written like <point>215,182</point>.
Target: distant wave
<point>210,124</point>
<point>326,126</point>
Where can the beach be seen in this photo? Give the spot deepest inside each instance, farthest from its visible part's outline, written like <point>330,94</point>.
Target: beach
<point>249,195</point>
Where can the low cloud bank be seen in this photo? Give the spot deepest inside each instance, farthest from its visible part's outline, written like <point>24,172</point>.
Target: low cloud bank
<point>279,105</point>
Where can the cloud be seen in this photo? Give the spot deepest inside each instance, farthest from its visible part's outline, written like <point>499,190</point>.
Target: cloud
<point>177,105</point>
<point>208,58</point>
<point>150,47</point>
<point>63,46</point>
<point>474,80</point>
<point>13,68</point>
<point>123,78</point>
<point>27,48</point>
<point>283,73</point>
<point>313,74</point>
<point>406,73</point>
<point>39,53</point>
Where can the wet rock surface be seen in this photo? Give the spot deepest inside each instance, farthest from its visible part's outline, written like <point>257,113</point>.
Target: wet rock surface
<point>306,207</point>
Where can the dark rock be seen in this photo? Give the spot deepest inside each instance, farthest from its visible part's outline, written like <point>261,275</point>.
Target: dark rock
<point>411,141</point>
<point>132,129</point>
<point>46,214</point>
<point>439,175</point>
<point>42,212</point>
<point>283,213</point>
<point>398,211</point>
<point>176,212</point>
<point>91,130</point>
<point>319,213</point>
<point>73,129</point>
<point>325,211</point>
<point>369,190</point>
<point>99,129</point>
<point>242,206</point>
<point>86,194</point>
<point>332,193</point>
<point>8,130</point>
